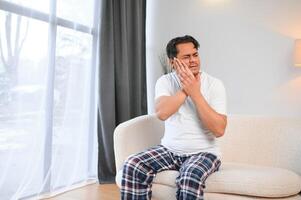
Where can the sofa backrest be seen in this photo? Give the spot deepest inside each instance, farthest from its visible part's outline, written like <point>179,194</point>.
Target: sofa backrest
<point>269,141</point>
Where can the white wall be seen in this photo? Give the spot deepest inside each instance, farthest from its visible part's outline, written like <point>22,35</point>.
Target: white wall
<point>248,44</point>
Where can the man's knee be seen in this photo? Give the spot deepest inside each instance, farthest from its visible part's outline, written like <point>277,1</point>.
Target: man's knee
<point>135,169</point>
<point>195,174</point>
<point>132,160</point>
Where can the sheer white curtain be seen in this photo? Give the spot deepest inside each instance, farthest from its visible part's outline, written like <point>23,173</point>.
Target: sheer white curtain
<point>48,141</point>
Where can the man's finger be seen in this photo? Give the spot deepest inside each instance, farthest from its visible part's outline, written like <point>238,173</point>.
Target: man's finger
<point>178,64</point>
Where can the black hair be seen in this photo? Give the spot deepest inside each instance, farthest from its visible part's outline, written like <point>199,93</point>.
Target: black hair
<point>171,47</point>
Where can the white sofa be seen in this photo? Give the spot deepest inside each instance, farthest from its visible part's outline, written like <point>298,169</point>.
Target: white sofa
<point>261,158</point>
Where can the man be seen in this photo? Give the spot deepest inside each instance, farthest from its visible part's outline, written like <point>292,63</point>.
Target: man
<point>193,105</point>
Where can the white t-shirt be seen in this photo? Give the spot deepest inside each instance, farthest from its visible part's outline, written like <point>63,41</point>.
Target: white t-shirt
<point>184,132</point>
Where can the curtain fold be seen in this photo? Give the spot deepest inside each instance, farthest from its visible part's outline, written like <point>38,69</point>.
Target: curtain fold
<point>122,74</point>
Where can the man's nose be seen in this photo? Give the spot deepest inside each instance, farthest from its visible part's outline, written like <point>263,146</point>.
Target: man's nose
<point>192,59</point>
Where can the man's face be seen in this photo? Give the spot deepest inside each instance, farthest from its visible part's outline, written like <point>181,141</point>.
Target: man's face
<point>190,56</point>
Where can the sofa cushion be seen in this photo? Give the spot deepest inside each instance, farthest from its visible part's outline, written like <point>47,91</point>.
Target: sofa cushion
<point>245,180</point>
<point>233,178</point>
<point>254,180</point>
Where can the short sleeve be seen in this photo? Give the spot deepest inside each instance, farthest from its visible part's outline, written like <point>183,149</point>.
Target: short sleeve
<point>163,87</point>
<point>218,99</point>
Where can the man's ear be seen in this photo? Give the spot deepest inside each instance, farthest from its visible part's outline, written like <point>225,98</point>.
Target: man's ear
<point>172,62</point>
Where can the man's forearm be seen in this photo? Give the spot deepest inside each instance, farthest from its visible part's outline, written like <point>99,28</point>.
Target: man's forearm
<point>168,105</point>
<point>212,120</point>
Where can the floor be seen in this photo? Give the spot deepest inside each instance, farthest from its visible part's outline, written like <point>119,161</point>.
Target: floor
<point>91,192</point>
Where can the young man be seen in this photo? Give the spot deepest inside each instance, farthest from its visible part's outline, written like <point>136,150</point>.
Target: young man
<point>193,105</point>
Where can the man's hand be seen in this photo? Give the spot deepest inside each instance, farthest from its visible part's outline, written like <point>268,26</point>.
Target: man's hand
<point>190,83</point>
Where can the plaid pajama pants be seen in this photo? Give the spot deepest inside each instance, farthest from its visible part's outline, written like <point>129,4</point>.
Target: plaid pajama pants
<point>139,171</point>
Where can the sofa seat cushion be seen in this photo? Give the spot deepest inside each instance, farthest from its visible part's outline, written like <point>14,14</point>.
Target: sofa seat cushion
<point>242,179</point>
<point>254,180</point>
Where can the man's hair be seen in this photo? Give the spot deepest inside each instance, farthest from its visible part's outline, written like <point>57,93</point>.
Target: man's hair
<point>171,48</point>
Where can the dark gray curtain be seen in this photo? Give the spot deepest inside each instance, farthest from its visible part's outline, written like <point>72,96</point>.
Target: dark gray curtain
<point>122,74</point>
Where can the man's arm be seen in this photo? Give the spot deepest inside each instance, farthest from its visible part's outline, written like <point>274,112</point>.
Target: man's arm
<point>167,105</point>
<point>213,121</point>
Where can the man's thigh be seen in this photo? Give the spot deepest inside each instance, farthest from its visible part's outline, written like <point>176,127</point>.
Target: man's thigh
<point>156,159</point>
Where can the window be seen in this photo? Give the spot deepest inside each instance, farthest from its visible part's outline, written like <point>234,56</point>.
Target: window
<point>48,101</point>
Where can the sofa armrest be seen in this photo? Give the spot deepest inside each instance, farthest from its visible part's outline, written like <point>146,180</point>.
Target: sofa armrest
<point>136,135</point>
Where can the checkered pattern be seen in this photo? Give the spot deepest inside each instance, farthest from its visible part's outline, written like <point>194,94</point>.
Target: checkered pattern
<point>140,169</point>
